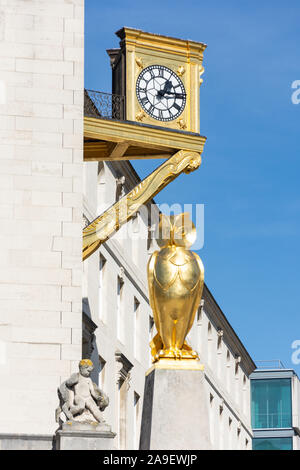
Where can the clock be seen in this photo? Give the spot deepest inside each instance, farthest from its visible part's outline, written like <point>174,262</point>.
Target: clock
<point>160,93</point>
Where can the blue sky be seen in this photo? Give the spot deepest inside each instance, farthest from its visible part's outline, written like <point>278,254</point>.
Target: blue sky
<point>249,178</point>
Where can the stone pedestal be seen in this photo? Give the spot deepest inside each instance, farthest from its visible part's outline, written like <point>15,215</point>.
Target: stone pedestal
<point>84,436</point>
<point>175,409</point>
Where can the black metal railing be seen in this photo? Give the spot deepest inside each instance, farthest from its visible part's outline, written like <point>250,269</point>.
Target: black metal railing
<point>104,105</point>
<point>272,420</point>
<point>270,364</point>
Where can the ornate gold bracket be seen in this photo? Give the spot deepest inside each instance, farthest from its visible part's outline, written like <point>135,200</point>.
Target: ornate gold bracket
<point>104,226</point>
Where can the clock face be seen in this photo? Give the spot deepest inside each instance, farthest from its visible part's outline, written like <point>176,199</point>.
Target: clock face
<point>160,93</point>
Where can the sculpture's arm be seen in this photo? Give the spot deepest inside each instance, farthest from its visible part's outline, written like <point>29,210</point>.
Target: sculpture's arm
<point>156,343</point>
<point>201,268</point>
<point>200,288</point>
<point>111,220</point>
<point>73,380</point>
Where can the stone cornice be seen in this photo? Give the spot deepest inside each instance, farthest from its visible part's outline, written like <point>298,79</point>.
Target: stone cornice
<point>143,141</point>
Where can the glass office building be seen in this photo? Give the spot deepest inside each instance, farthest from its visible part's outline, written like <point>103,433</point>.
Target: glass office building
<point>275,405</point>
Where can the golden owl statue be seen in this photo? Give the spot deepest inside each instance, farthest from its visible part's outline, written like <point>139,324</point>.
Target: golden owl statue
<point>175,282</point>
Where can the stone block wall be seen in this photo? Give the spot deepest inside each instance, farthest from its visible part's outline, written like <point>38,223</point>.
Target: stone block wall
<point>41,155</point>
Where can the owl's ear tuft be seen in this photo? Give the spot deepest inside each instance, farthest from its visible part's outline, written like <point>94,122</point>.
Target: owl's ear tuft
<point>184,230</point>
<point>182,220</point>
<point>176,230</point>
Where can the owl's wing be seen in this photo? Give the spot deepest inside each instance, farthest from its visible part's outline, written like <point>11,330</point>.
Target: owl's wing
<point>200,289</point>
<point>150,273</point>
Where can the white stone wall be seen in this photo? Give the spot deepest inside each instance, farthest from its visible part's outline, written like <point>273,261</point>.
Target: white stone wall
<point>228,387</point>
<point>41,134</point>
<point>122,260</point>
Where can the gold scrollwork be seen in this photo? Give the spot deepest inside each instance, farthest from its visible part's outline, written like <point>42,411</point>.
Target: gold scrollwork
<point>180,70</point>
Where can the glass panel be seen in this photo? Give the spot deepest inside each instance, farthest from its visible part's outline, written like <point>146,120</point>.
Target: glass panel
<point>274,443</point>
<point>271,404</point>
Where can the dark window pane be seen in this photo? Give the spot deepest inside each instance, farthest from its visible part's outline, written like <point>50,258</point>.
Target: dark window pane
<point>275,443</point>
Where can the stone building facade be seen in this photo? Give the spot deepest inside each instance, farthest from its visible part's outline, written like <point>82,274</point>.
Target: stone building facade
<point>275,407</point>
<point>116,299</point>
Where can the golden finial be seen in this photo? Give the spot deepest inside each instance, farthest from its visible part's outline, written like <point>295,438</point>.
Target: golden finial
<point>85,363</point>
<point>202,70</point>
<point>181,123</point>
<point>180,70</point>
<point>176,230</point>
<point>175,282</point>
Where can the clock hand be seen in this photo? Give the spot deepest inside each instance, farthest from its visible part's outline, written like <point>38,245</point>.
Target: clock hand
<point>166,89</point>
<point>176,95</point>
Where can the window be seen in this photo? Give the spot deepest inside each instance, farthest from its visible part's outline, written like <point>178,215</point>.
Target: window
<point>102,263</point>
<point>228,370</point>
<point>151,325</point>
<point>213,420</point>
<point>244,399</point>
<point>199,316</point>
<point>236,369</point>
<point>230,436</point>
<point>209,331</point>
<point>85,289</point>
<point>136,404</point>
<point>274,443</point>
<point>200,312</point>
<point>122,412</point>
<point>220,368</point>
<point>271,404</point>
<point>151,328</point>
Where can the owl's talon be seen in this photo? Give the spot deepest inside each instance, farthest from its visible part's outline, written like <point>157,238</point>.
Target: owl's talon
<point>175,353</point>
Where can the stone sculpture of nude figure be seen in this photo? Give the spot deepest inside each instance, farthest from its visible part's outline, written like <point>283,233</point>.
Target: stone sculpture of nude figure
<point>80,398</point>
